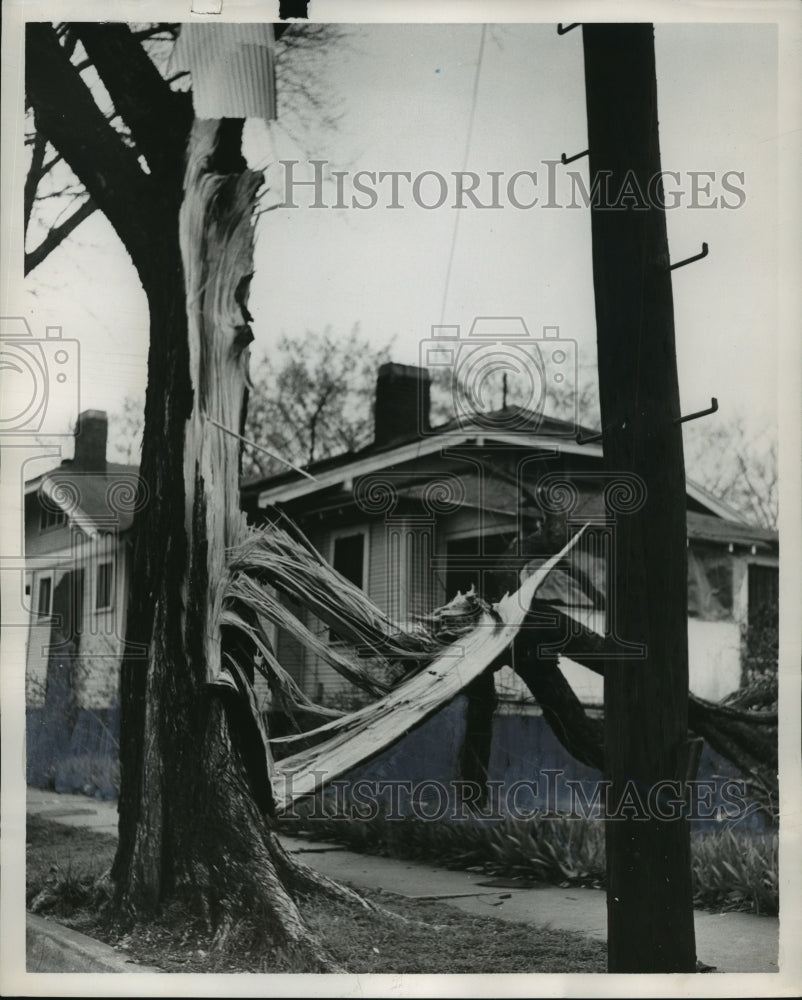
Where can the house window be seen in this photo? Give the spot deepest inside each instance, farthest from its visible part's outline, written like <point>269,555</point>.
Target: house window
<point>710,591</point>
<point>349,558</point>
<point>45,598</point>
<point>764,594</point>
<point>103,586</point>
<point>51,517</point>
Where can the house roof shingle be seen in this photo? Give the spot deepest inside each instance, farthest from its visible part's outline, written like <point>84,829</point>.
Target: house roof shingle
<point>512,420</point>
<point>498,496</point>
<point>99,501</point>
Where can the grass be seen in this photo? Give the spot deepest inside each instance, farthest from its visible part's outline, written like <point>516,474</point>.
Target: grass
<point>732,870</point>
<point>66,868</point>
<point>66,873</point>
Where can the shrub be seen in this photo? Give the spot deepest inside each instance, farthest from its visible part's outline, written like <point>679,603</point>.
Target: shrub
<point>735,871</point>
<point>732,870</point>
<point>759,661</point>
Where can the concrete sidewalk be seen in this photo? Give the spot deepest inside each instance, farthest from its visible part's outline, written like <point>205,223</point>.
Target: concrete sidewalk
<point>73,810</point>
<point>733,942</point>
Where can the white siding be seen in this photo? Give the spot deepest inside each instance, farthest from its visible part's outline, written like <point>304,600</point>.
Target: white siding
<point>714,658</point>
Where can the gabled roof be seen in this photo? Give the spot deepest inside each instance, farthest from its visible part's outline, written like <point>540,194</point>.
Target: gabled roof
<point>95,501</point>
<point>512,420</point>
<point>512,426</point>
<point>518,420</point>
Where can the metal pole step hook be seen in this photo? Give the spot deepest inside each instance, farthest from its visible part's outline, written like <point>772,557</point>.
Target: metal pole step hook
<point>699,413</point>
<point>690,260</point>
<point>570,159</point>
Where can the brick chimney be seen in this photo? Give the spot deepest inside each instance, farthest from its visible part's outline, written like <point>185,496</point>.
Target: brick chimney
<point>91,434</point>
<point>402,402</point>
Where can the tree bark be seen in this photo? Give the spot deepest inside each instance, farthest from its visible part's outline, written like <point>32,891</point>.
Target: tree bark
<point>133,201</point>
<point>748,739</point>
<point>474,757</point>
<point>195,804</point>
<point>581,735</point>
<point>649,892</point>
<point>196,807</point>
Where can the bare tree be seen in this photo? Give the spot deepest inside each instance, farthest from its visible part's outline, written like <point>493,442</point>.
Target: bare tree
<point>310,398</point>
<point>738,464</point>
<point>56,201</point>
<point>126,426</point>
<point>191,738</point>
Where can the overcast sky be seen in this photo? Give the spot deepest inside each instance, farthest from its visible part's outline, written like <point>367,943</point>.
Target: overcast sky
<point>406,99</point>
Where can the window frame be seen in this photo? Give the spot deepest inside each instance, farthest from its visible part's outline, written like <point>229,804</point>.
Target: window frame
<point>50,518</point>
<point>40,580</point>
<point>364,532</point>
<point>100,565</point>
<point>761,563</point>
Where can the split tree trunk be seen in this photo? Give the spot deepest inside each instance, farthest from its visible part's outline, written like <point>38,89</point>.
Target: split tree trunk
<point>196,803</point>
<point>649,892</point>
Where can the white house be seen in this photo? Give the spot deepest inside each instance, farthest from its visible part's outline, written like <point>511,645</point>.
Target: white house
<point>77,547</point>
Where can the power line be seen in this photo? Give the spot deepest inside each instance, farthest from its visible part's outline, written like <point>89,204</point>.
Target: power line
<point>464,166</point>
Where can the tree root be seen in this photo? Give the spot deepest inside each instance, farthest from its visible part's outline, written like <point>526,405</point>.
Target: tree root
<point>304,880</point>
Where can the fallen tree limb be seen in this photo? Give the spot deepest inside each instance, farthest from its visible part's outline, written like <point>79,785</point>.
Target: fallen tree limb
<point>365,733</point>
<point>290,565</point>
<point>746,739</point>
<point>581,735</point>
<point>537,631</point>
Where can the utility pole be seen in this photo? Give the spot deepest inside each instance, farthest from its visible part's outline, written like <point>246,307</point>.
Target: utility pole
<point>649,894</point>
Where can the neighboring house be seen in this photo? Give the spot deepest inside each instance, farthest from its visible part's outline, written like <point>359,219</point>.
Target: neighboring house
<point>77,521</point>
<point>425,511</point>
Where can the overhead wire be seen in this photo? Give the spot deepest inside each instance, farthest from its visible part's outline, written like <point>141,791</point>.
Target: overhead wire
<point>469,137</point>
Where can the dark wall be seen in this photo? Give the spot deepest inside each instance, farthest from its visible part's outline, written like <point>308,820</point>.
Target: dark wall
<point>83,758</point>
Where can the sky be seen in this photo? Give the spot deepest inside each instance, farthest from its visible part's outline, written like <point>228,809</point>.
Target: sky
<point>419,98</point>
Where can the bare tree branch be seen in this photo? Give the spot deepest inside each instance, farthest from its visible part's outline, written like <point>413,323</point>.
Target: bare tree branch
<point>158,117</point>
<point>737,465</point>
<point>34,174</point>
<point>58,234</point>
<point>47,167</point>
<point>313,396</point>
<point>157,32</point>
<point>107,168</point>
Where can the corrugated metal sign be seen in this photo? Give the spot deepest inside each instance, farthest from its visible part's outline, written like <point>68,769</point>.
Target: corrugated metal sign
<point>232,67</point>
